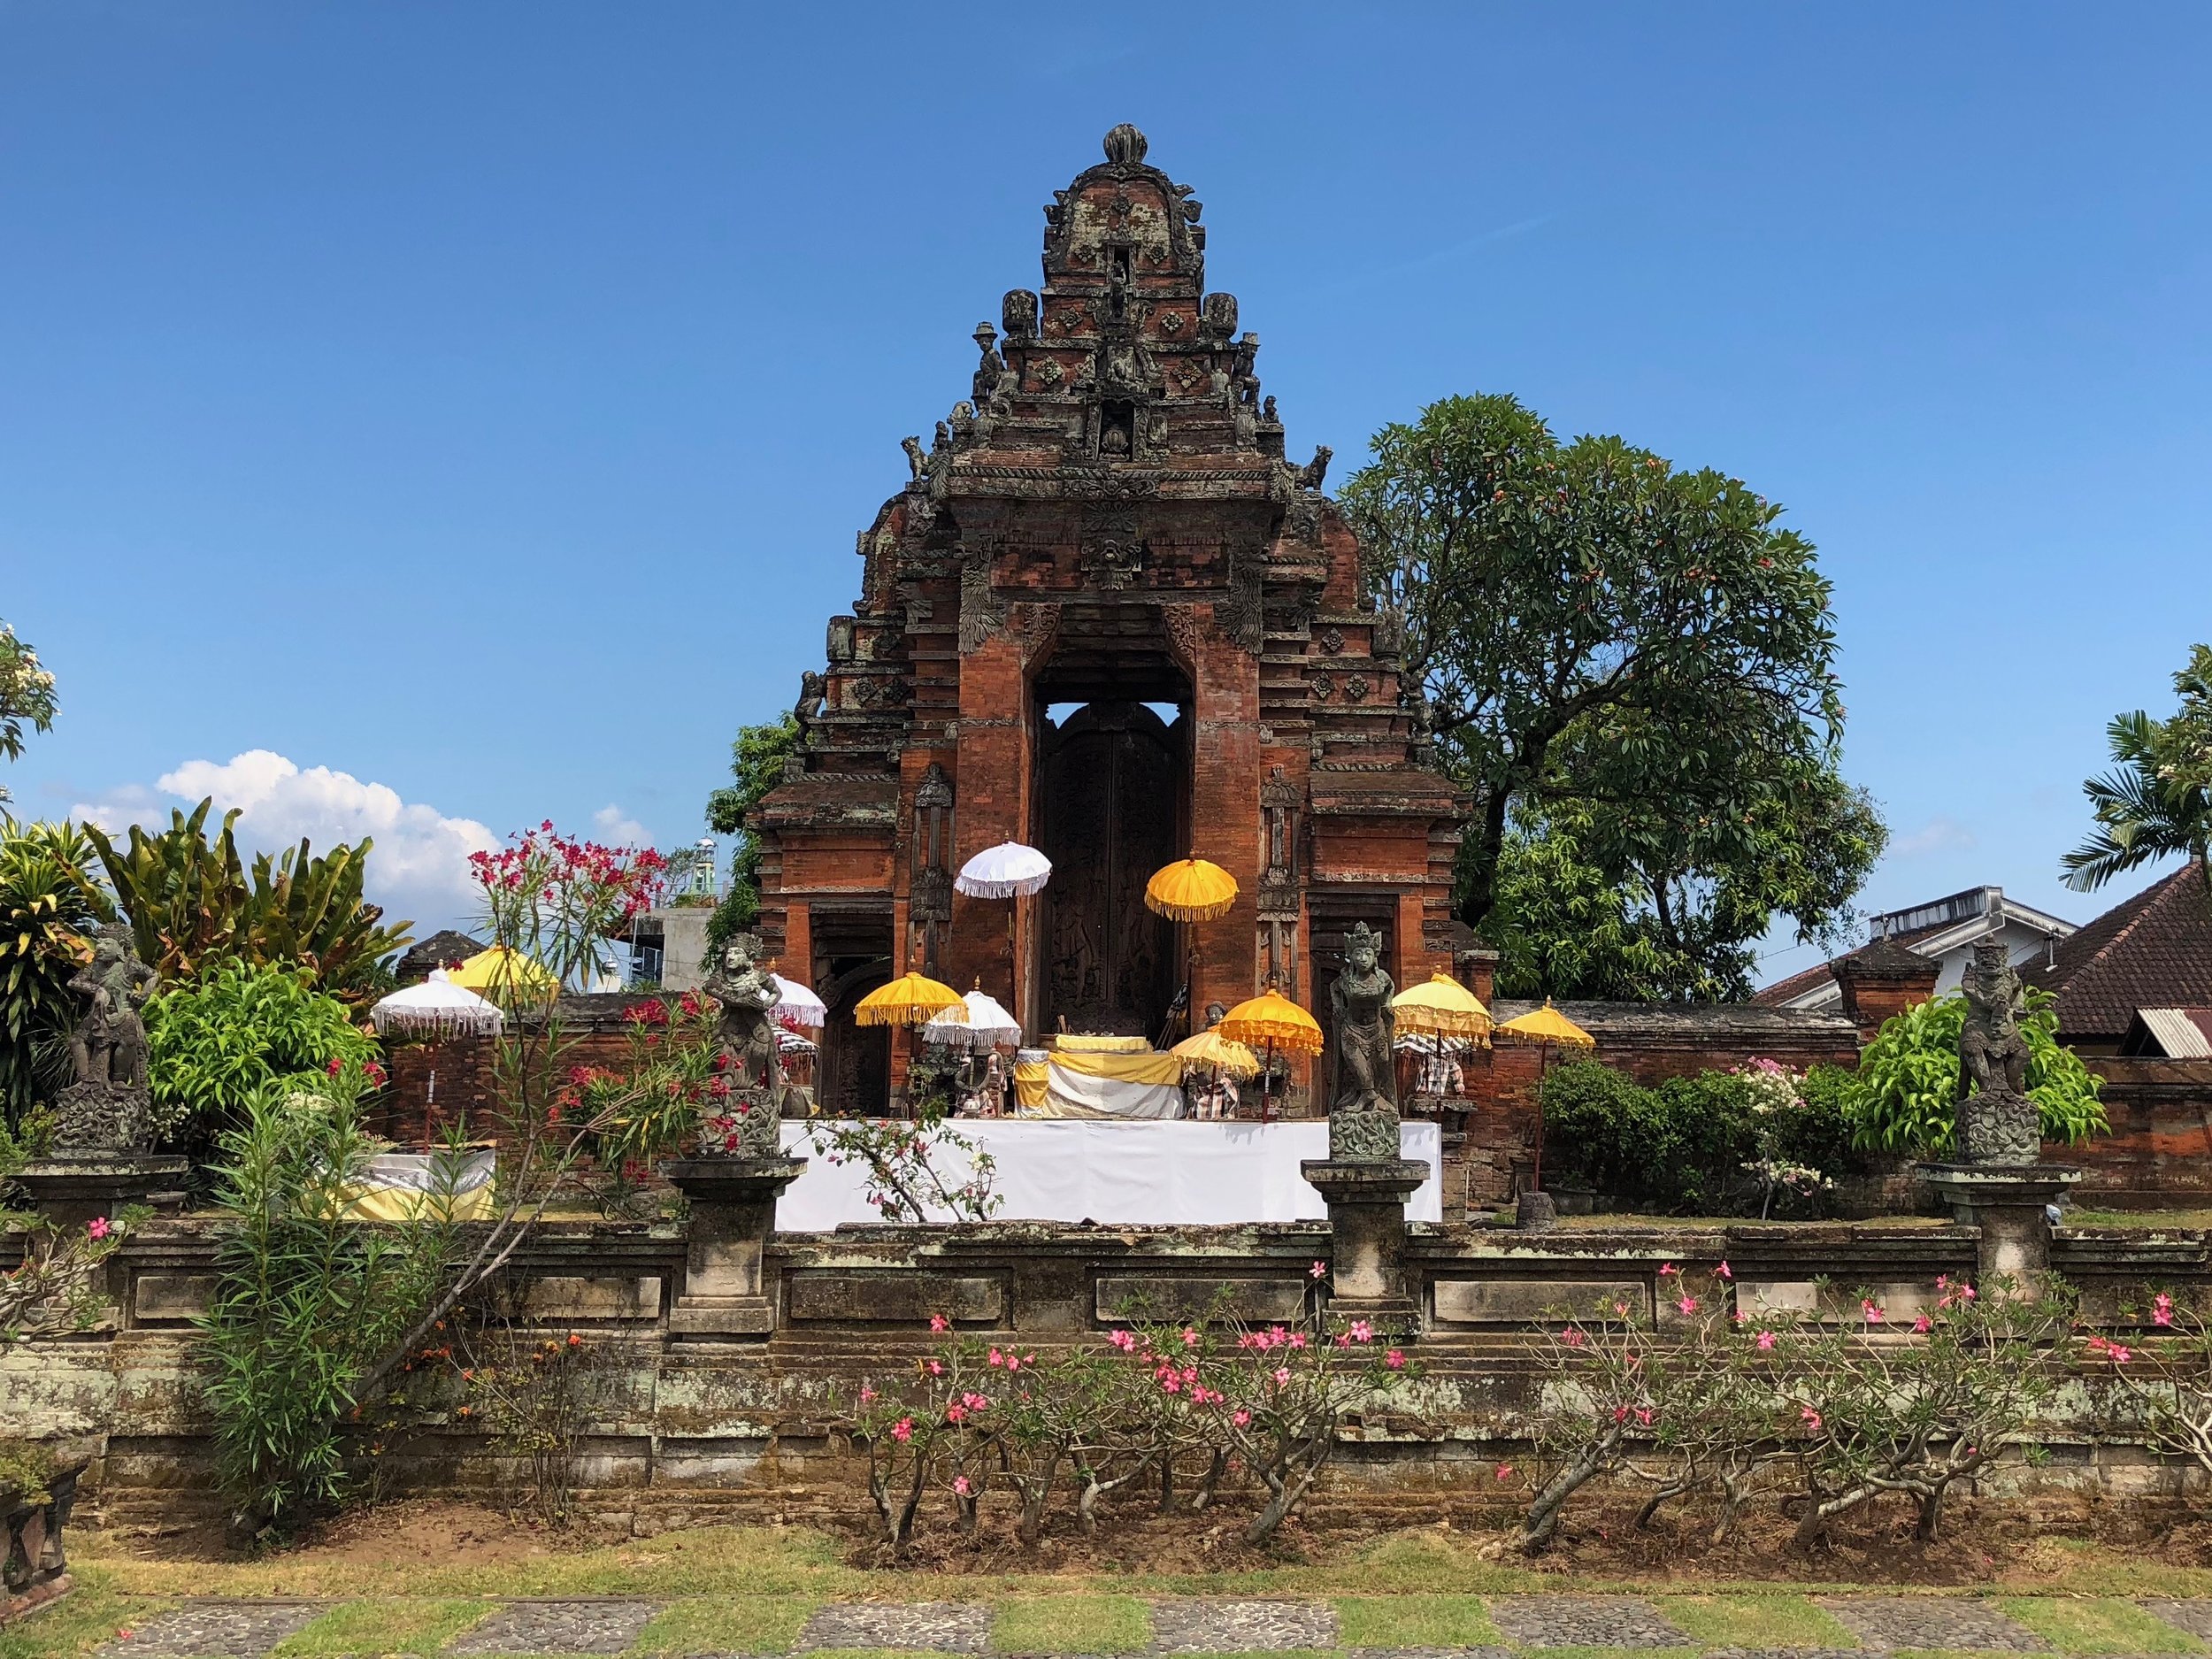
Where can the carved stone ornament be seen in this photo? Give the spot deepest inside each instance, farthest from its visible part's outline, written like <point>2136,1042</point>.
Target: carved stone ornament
<point>1322,687</point>
<point>1172,323</point>
<point>1355,688</point>
<point>1038,625</point>
<point>1997,1123</point>
<point>1362,1071</point>
<point>1047,373</point>
<point>982,612</point>
<point>1332,641</point>
<point>108,1107</point>
<point>1181,625</point>
<point>746,993</point>
<point>1017,314</point>
<point>930,900</point>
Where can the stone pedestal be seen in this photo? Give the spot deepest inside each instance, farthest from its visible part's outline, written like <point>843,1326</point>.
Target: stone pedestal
<point>2007,1203</point>
<point>70,1188</point>
<point>732,1215</point>
<point>1367,1228</point>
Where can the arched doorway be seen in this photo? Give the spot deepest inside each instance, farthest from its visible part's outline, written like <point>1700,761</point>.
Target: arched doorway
<point>1113,785</point>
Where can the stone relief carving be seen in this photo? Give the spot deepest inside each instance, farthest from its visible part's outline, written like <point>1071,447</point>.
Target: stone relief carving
<point>1332,641</point>
<point>1355,688</point>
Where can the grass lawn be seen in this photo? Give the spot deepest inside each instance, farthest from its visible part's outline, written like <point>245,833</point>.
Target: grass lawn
<point>750,1590</point>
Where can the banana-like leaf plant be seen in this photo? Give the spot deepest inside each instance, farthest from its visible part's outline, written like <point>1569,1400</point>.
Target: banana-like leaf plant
<point>192,904</point>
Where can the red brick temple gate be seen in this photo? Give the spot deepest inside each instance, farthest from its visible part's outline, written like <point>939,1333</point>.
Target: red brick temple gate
<point>1106,531</point>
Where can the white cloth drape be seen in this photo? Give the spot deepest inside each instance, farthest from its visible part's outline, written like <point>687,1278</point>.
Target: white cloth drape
<point>1131,1173</point>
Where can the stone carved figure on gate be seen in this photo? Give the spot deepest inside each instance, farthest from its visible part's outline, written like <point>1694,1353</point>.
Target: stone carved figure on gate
<point>746,993</point>
<point>1997,1122</point>
<point>108,1105</point>
<point>1363,1074</point>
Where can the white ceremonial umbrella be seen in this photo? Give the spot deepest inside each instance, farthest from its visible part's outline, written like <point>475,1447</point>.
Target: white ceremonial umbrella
<point>798,1006</point>
<point>435,1009</point>
<point>1003,872</point>
<point>988,1025</point>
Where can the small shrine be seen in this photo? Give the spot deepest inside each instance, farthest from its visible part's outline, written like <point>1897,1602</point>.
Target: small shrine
<point>1109,618</point>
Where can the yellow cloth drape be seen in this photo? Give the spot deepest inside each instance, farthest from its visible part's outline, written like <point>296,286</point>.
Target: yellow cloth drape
<point>1030,1079</point>
<point>1066,1044</point>
<point>403,1203</point>
<point>1146,1067</point>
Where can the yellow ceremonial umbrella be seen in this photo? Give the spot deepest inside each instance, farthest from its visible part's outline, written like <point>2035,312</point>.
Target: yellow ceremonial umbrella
<point>1274,1021</point>
<point>1442,1007</point>
<point>504,971</point>
<point>1223,1054</point>
<point>1191,890</point>
<point>912,999</point>
<point>1547,1026</point>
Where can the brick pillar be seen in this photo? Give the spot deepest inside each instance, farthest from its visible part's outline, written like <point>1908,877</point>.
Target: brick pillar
<point>1226,811</point>
<point>1476,967</point>
<point>1880,980</point>
<point>798,961</point>
<point>990,805</point>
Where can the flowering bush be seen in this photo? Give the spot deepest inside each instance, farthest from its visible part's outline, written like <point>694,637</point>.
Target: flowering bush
<point>1216,1401</point>
<point>1713,1399</point>
<point>556,901</point>
<point>2158,1390</point>
<point>52,1288</point>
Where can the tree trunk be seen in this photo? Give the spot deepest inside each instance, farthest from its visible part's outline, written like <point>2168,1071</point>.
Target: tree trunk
<point>1542,1522</point>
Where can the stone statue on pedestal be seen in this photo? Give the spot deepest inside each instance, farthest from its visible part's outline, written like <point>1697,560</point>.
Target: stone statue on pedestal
<point>1997,1123</point>
<point>1362,1071</point>
<point>746,993</point>
<point>109,1107</point>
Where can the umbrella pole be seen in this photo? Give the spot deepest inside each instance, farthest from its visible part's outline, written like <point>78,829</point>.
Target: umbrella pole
<point>1543,1070</point>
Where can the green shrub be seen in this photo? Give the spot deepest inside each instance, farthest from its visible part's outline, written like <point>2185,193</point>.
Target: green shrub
<point>213,1043</point>
<point>1905,1094</point>
<point>1695,1145</point>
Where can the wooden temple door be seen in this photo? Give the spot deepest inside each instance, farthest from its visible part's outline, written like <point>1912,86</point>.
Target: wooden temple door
<point>1110,785</point>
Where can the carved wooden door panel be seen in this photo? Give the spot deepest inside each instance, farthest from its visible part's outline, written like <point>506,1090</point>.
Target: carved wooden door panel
<point>1108,793</point>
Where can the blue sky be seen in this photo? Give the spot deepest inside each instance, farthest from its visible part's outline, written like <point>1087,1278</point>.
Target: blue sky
<point>479,401</point>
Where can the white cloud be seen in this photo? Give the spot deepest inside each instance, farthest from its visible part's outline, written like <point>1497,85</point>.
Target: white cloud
<point>618,828</point>
<point>419,869</point>
<point>1937,835</point>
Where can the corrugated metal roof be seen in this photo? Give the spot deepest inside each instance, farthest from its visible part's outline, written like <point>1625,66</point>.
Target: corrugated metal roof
<point>2177,1032</point>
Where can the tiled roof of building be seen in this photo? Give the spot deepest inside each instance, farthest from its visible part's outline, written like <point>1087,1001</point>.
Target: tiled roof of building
<point>1880,951</point>
<point>2152,950</point>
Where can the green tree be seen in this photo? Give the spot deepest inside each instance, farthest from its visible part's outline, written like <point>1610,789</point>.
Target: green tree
<point>2157,800</point>
<point>756,767</point>
<point>190,904</point>
<point>1905,1093</point>
<point>1635,659</point>
<point>50,900</point>
<point>26,694</point>
<point>213,1043</point>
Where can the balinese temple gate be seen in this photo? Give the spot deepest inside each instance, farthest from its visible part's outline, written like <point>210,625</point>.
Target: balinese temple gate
<point>1107,618</point>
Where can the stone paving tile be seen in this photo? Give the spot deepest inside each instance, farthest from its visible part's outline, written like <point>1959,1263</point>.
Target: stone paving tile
<point>1209,1624</point>
<point>532,1627</point>
<point>240,1630</point>
<point>937,1626</point>
<point>2195,1616</point>
<point>1429,1653</point>
<point>1932,1621</point>
<point>1785,1653</point>
<point>1583,1621</point>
